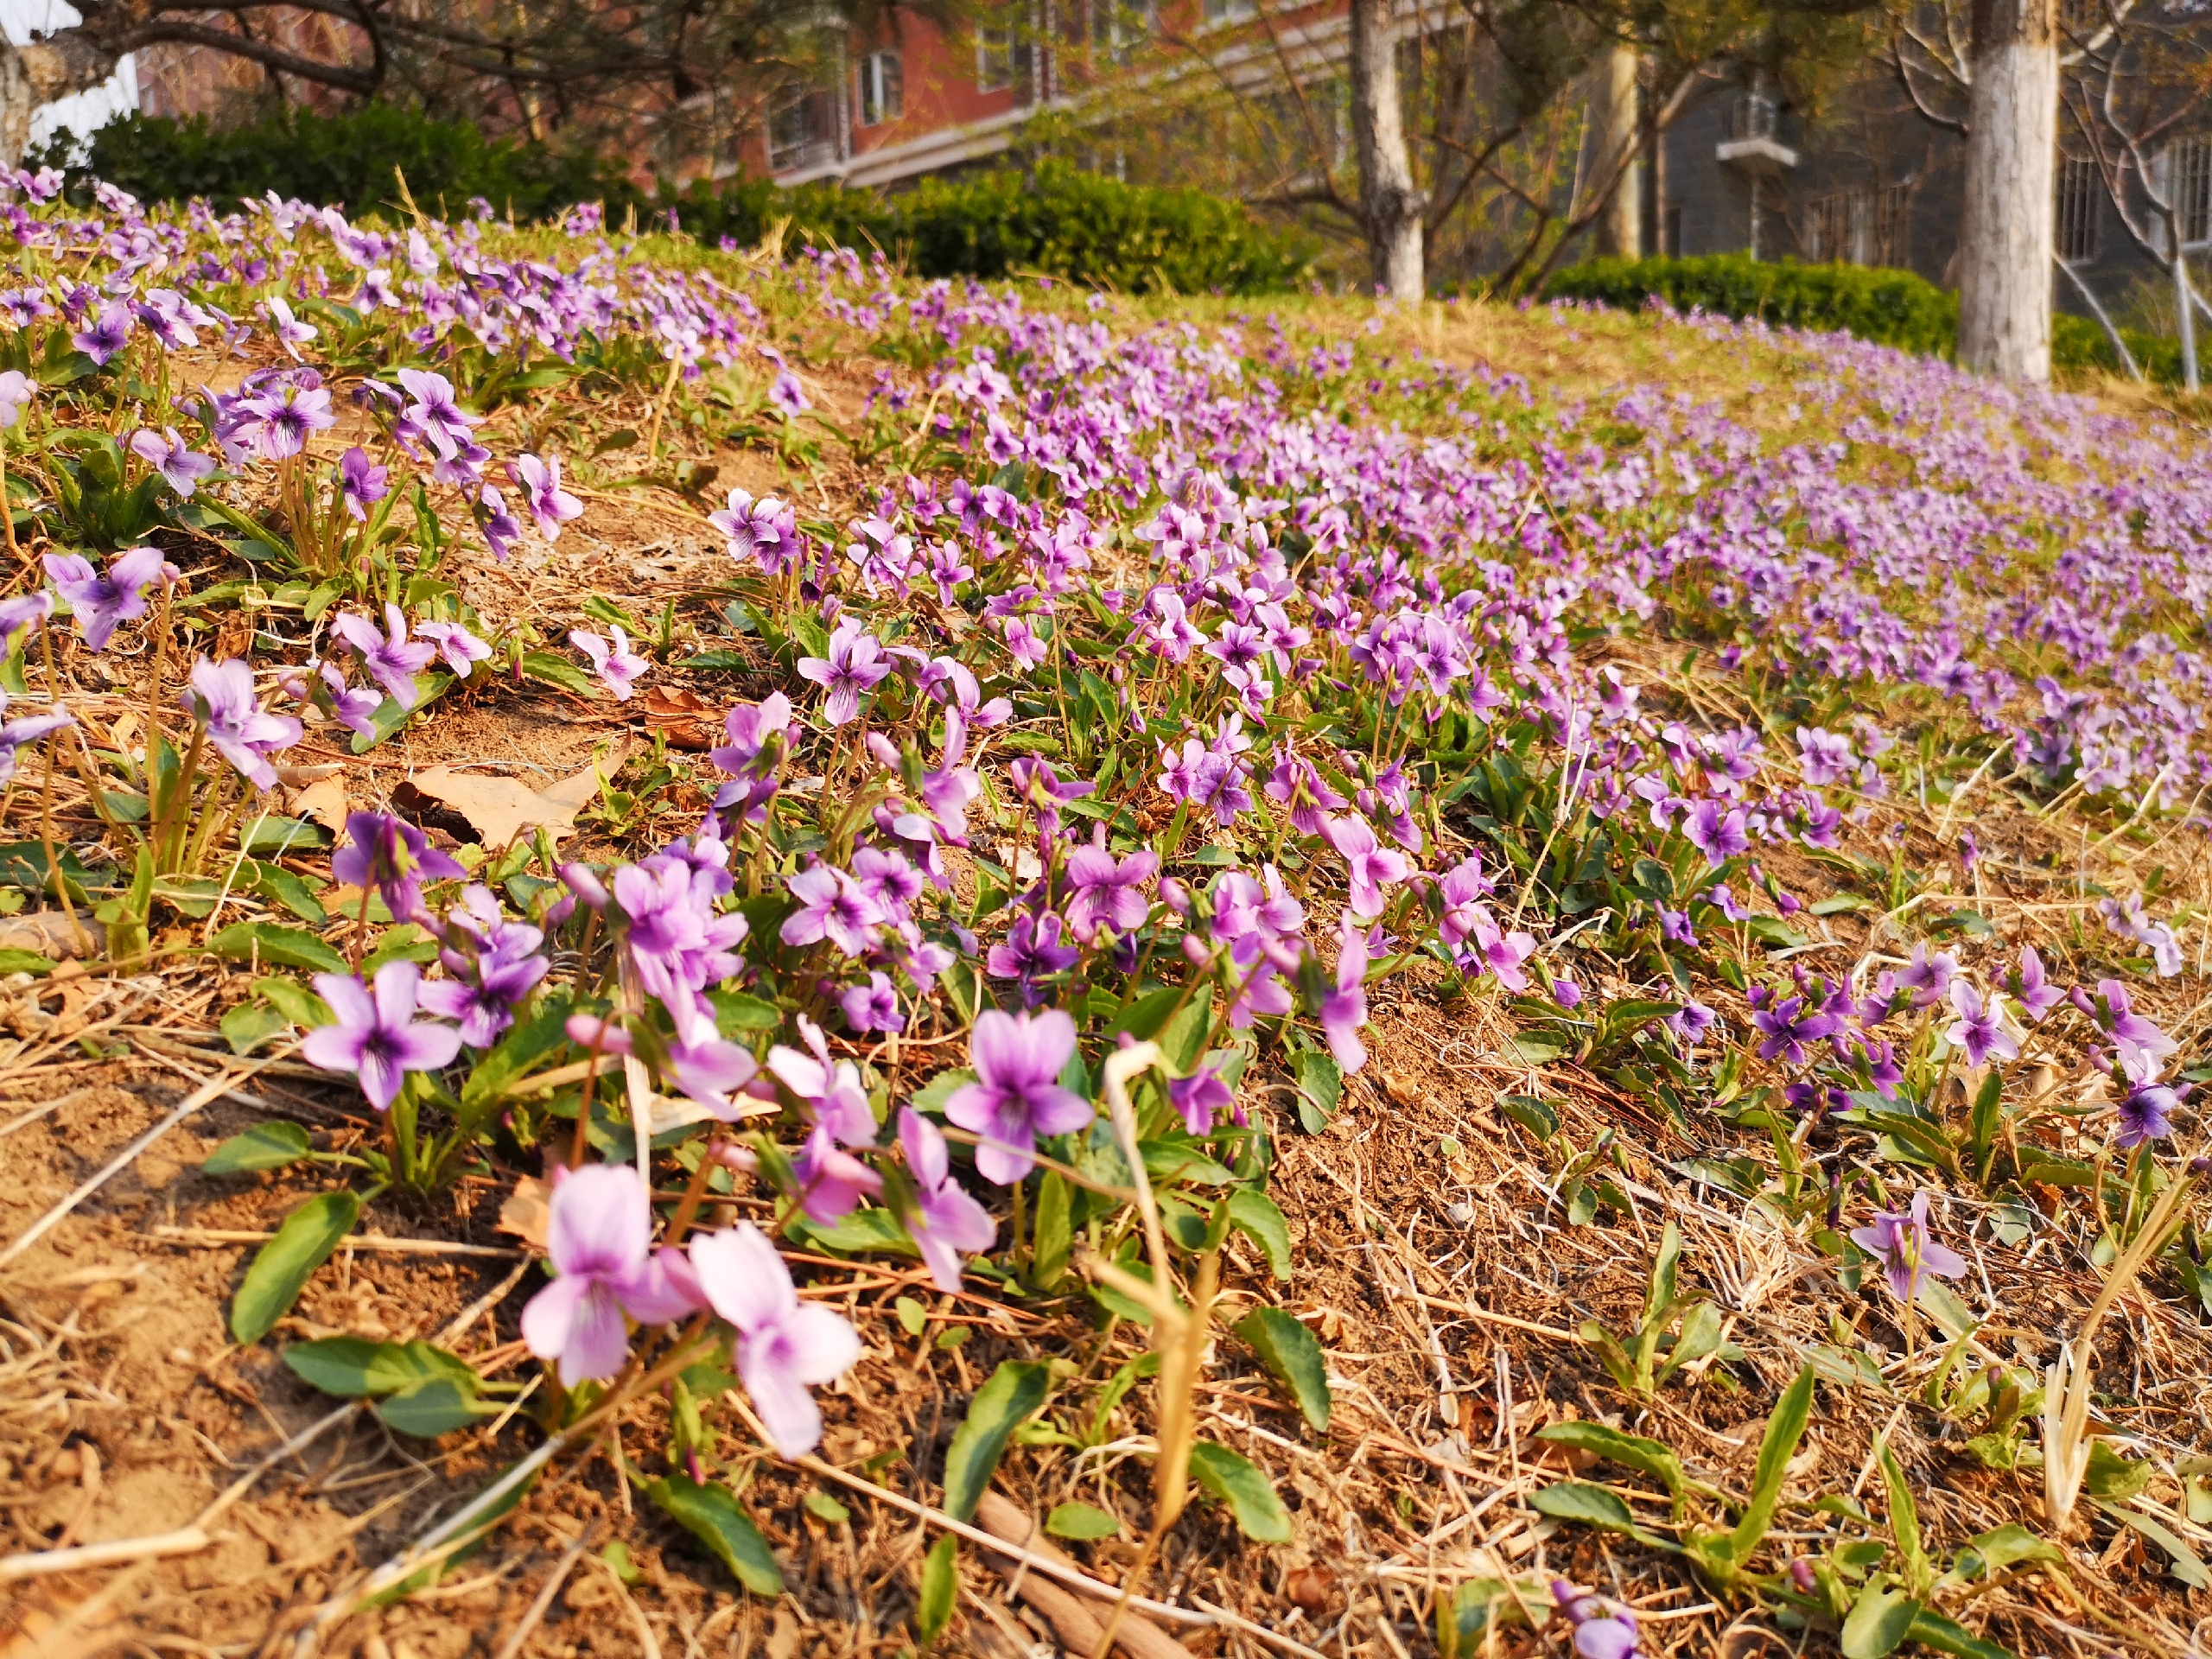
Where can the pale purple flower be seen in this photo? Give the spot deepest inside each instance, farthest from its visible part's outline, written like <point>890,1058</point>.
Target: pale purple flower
<point>275,421</point>
<point>619,667</point>
<point>376,1036</point>
<point>1502,953</point>
<point>1031,950</point>
<point>361,483</point>
<point>26,729</point>
<point>167,454</point>
<point>1824,757</point>
<point>109,334</point>
<point>1344,1007</point>
<point>678,942</point>
<point>832,906</point>
<point>17,391</point>
<point>1902,1243</point>
<point>291,332</point>
<point>708,1068</point>
<point>540,483</point>
<point>830,1089</point>
<point>788,396</point>
<point>784,1345</point>
<point>1017,1096</point>
<point>854,664</point>
<point>392,659</point>
<point>1602,1629</point>
<point>394,856</point>
<point>433,416</point>
<point>1927,977</point>
<point>1107,893</point>
<point>221,698</point>
<point>354,707</point>
<point>502,529</point>
<point>2147,1114</point>
<point>1297,786</point>
<point>461,649</point>
<point>100,601</point>
<point>1201,1099</point>
<point>764,533</point>
<point>2141,1046</point>
<point>1717,829</point>
<point>756,734</point>
<point>945,1222</point>
<point>831,1181</point>
<point>1789,1026</point>
<point>1980,1027</point>
<point>1369,866</point>
<point>599,1238</point>
<point>872,1004</point>
<point>494,963</point>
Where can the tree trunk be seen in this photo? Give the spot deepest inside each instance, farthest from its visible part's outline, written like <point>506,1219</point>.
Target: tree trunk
<point>68,60</point>
<point>1613,135</point>
<point>1388,198</point>
<point>2007,241</point>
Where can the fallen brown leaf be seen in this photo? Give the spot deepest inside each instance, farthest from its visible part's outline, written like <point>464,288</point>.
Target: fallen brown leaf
<point>499,809</point>
<point>324,800</point>
<point>527,1211</point>
<point>688,719</point>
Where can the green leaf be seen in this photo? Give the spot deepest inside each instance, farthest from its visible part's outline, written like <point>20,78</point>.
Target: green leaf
<point>293,1001</point>
<point>713,1515</point>
<point>549,670</point>
<point>287,947</point>
<point>1080,1521</point>
<point>405,943</point>
<point>1054,1238</point>
<point>1531,1114</point>
<point>715,658</point>
<point>736,1014</point>
<point>1168,1161</point>
<point>1293,1355</point>
<point>283,1265</point>
<point>1876,1625</point>
<point>1931,1630</point>
<point>2187,1565</point>
<point>1904,1523</point>
<point>354,1367</point>
<point>1321,1089</point>
<point>248,1026</point>
<point>1016,1391</point>
<point>1593,1506</point>
<point>932,1095</point>
<point>1784,1430</point>
<point>1256,1215</point>
<point>276,834</point>
<point>939,1589</point>
<point>822,1507</point>
<point>1647,1457</point>
<point>913,1316</point>
<point>388,717</point>
<point>1464,1619</point>
<point>1249,1494</point>
<point>1183,1038</point>
<point>2002,1547</point>
<point>2111,1475</point>
<point>24,962</point>
<point>859,1232</point>
<point>437,1406</point>
<point>265,1145</point>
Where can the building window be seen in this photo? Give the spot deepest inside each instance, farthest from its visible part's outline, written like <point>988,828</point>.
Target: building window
<point>2188,178</point>
<point>802,131</point>
<point>1230,12</point>
<point>2079,187</point>
<point>1002,61</point>
<point>1864,226</point>
<point>883,89</point>
<point>1117,30</point>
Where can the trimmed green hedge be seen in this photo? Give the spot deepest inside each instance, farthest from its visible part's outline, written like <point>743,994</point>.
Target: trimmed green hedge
<point>1054,219</point>
<point>1891,307</point>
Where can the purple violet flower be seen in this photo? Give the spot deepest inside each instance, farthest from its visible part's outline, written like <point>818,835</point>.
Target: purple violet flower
<point>1369,866</point>
<point>391,659</point>
<point>26,729</point>
<point>784,1345</point>
<point>1981,1028</point>
<point>100,602</point>
<point>221,696</point>
<point>1104,892</point>
<point>945,1223</point>
<point>394,856</point>
<point>167,454</point>
<point>618,666</point>
<point>540,482</point>
<point>599,1240</point>
<point>376,1035</point>
<point>2147,1114</point>
<point>1903,1244</point>
<point>854,664</point>
<point>361,482</point>
<point>1017,1096</point>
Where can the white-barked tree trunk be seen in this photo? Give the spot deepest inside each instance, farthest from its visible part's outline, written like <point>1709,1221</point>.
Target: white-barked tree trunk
<point>1613,135</point>
<point>2006,245</point>
<point>1389,201</point>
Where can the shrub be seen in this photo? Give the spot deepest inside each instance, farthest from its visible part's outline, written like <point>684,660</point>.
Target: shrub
<point>347,158</point>
<point>1055,219</point>
<point>1891,307</point>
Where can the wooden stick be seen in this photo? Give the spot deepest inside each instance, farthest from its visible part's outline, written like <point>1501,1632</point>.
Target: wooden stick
<point>351,1242</point>
<point>184,1541</point>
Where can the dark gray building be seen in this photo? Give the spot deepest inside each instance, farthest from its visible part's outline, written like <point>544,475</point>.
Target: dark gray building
<point>1873,182</point>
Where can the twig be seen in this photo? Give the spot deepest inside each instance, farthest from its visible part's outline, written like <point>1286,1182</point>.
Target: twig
<point>208,1092</point>
<point>184,1541</point>
<point>354,1241</point>
<point>536,1610</point>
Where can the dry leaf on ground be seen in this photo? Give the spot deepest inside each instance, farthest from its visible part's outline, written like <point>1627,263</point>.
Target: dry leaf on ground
<point>499,809</point>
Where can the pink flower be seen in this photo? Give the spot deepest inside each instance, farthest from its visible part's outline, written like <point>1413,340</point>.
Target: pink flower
<point>599,1238</point>
<point>855,663</point>
<point>945,1222</point>
<point>1369,865</point>
<point>540,483</point>
<point>784,1345</point>
<point>619,667</point>
<point>376,1035</point>
<point>1017,1096</point>
<point>1343,1010</point>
